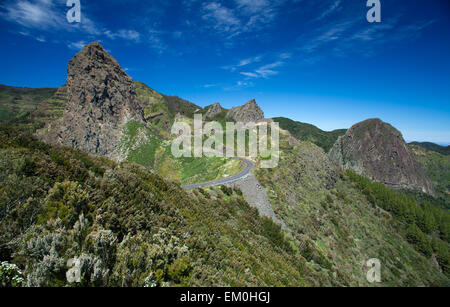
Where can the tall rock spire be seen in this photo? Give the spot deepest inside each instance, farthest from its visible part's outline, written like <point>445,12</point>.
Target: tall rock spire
<point>101,98</point>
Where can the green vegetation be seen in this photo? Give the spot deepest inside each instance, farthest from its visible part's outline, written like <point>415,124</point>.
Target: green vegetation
<point>437,167</point>
<point>128,227</point>
<point>307,132</point>
<point>15,102</point>
<point>30,109</point>
<point>423,224</point>
<point>444,150</point>
<point>10,275</point>
<point>160,110</point>
<point>336,227</point>
<point>141,145</point>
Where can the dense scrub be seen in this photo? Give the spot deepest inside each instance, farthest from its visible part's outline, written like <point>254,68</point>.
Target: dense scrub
<point>424,225</point>
<point>436,163</point>
<point>17,101</point>
<point>337,227</point>
<point>308,132</point>
<point>125,226</point>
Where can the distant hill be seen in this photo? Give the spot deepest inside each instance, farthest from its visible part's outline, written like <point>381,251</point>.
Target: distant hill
<point>445,150</point>
<point>17,101</point>
<point>308,132</point>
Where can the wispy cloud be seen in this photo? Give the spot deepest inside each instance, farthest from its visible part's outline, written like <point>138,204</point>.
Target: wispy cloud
<point>124,34</point>
<point>44,15</point>
<point>209,85</point>
<point>350,35</point>
<point>155,41</point>
<point>243,63</point>
<point>241,16</point>
<point>264,71</point>
<point>334,8</point>
<point>223,18</point>
<point>76,45</point>
<point>38,14</point>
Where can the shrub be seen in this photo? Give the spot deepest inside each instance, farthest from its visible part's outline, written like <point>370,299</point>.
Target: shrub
<point>11,275</point>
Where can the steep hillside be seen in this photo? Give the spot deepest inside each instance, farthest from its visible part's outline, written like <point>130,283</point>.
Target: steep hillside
<point>337,228</point>
<point>141,145</point>
<point>308,132</point>
<point>161,110</point>
<point>128,227</point>
<point>437,167</point>
<point>377,150</point>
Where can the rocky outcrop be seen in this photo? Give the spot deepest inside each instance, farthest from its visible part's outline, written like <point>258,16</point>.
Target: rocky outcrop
<point>249,112</point>
<point>377,150</point>
<point>213,110</point>
<point>101,98</point>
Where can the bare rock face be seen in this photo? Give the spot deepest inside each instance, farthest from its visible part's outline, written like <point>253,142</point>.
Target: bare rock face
<point>249,112</point>
<point>101,99</point>
<point>377,150</point>
<point>214,110</point>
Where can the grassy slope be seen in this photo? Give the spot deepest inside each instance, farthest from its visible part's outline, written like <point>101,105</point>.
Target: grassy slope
<point>129,227</point>
<point>140,145</point>
<point>437,167</point>
<point>160,109</point>
<point>337,228</point>
<point>308,132</point>
<point>16,102</point>
<point>30,109</point>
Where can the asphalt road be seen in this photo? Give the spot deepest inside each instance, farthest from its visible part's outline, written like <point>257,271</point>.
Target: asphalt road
<point>242,174</point>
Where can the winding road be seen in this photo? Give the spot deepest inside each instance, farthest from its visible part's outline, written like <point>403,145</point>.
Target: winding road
<point>241,175</point>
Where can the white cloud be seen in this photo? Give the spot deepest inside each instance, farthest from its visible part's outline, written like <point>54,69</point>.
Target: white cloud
<point>335,7</point>
<point>209,85</point>
<point>243,63</point>
<point>155,41</point>
<point>250,74</point>
<point>124,34</point>
<point>243,17</point>
<point>45,15</point>
<point>77,45</point>
<point>38,14</point>
<point>223,17</point>
<point>264,71</point>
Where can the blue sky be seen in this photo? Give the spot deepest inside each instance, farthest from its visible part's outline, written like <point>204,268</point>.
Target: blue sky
<point>319,62</point>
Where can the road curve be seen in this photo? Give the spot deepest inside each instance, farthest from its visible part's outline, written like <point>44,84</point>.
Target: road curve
<point>242,174</point>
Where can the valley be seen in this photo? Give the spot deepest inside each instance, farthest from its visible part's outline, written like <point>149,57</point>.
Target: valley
<point>88,174</point>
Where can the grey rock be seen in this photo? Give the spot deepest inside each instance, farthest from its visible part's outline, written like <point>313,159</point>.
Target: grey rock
<point>377,150</point>
<point>214,110</point>
<point>249,112</point>
<point>101,98</point>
